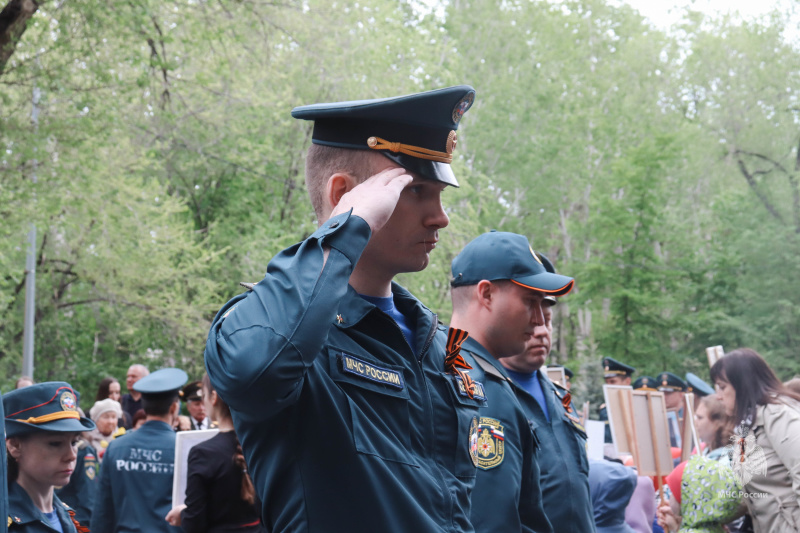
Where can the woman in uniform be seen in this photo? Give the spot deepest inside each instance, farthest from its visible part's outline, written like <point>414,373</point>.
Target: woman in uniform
<point>42,428</point>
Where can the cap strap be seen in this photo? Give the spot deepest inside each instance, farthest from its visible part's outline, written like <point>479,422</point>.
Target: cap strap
<point>60,415</point>
<point>376,143</point>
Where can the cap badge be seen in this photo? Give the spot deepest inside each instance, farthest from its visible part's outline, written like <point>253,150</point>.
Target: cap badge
<point>462,106</point>
<point>664,383</point>
<point>644,381</point>
<point>68,402</point>
<point>452,141</point>
<point>535,256</point>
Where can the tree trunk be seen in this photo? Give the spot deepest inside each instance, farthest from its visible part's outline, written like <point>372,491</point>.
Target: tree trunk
<point>13,23</point>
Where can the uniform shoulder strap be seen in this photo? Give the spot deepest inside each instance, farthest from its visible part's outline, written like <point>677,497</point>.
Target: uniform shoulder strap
<point>488,368</point>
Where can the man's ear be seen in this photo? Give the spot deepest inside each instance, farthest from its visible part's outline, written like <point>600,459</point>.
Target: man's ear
<point>484,293</point>
<point>337,186</point>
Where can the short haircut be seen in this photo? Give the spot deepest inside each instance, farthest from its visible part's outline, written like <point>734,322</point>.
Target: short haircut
<point>158,404</point>
<point>322,162</point>
<point>463,294</point>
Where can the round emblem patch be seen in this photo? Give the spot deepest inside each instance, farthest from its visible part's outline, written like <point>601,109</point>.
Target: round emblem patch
<point>491,443</point>
<point>473,440</point>
<point>68,402</point>
<point>462,106</point>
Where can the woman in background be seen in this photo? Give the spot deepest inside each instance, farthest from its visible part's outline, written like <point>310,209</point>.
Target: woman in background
<point>766,455</point>
<point>105,414</point>
<point>110,388</point>
<point>220,496</point>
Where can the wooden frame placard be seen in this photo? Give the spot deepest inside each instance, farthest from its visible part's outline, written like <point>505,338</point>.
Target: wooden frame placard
<point>714,354</point>
<point>620,417</point>
<point>689,440</point>
<point>557,375</point>
<point>652,455</point>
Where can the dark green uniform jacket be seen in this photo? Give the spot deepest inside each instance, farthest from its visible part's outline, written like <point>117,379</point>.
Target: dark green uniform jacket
<point>135,492</point>
<point>507,496</point>
<point>564,466</point>
<point>24,517</point>
<point>344,428</point>
<point>79,492</point>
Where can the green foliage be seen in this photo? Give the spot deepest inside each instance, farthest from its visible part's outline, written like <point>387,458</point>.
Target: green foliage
<point>660,169</point>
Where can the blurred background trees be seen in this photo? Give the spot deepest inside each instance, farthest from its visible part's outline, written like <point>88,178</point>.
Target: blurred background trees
<point>151,145</point>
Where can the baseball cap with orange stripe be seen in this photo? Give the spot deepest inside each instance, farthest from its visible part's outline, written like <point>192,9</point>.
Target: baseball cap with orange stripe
<point>499,255</point>
<point>49,406</point>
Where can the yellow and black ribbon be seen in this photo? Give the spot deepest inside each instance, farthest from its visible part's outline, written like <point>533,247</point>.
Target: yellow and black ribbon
<point>454,362</point>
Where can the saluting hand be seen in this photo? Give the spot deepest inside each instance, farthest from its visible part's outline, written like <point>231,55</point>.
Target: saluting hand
<point>374,200</point>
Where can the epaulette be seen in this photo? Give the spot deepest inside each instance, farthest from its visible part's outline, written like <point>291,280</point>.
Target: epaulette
<point>82,444</point>
<point>248,286</point>
<point>559,386</point>
<point>488,368</point>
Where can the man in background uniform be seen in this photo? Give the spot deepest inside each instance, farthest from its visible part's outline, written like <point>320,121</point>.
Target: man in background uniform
<point>135,492</point>
<point>614,373</point>
<point>564,478</point>
<point>645,383</point>
<point>350,414</point>
<point>673,388</point>
<point>500,304</point>
<point>191,394</point>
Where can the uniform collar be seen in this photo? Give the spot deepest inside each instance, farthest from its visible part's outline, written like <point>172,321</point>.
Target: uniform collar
<point>353,308</point>
<point>22,511</point>
<point>485,360</point>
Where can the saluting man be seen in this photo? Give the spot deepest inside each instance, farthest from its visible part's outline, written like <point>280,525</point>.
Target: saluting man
<point>564,478</point>
<point>135,492</point>
<point>350,416</point>
<point>501,304</point>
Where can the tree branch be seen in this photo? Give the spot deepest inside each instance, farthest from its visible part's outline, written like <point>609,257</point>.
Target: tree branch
<point>754,186</point>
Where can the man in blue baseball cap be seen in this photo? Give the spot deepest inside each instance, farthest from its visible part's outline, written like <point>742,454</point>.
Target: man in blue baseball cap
<point>348,412</point>
<point>548,406</point>
<point>135,492</point>
<point>500,291</point>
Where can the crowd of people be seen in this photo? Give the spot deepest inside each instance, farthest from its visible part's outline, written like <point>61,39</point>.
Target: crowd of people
<point>343,404</point>
<point>94,481</point>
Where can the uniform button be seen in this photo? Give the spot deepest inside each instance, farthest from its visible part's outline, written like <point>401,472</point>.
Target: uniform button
<point>334,225</point>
